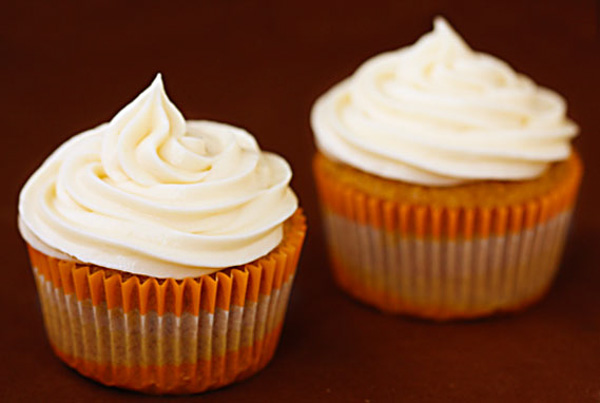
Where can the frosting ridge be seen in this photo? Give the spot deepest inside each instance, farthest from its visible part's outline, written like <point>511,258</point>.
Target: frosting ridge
<point>438,113</point>
<point>153,194</point>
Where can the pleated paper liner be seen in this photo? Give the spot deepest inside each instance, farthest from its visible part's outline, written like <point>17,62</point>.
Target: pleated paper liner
<point>444,263</point>
<point>168,336</point>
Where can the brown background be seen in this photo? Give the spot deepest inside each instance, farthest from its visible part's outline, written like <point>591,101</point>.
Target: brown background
<point>67,67</point>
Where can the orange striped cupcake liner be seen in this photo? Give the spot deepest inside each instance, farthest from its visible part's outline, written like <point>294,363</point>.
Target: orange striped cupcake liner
<point>166,336</point>
<point>442,262</point>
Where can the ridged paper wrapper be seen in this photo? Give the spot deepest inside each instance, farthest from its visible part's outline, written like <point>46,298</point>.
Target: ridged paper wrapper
<point>443,262</point>
<point>167,336</point>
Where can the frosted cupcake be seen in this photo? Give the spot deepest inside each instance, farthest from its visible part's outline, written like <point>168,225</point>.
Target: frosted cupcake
<point>446,180</point>
<point>163,250</point>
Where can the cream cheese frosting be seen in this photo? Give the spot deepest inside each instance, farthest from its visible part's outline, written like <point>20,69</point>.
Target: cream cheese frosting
<point>153,194</point>
<point>438,113</point>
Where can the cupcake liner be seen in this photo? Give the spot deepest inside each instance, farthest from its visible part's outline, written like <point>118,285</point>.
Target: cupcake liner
<point>440,262</point>
<point>165,335</point>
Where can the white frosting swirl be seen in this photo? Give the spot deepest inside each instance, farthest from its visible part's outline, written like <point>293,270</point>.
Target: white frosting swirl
<point>437,113</point>
<point>152,194</point>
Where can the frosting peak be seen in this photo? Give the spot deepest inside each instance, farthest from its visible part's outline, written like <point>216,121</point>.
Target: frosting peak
<point>438,113</point>
<point>154,194</point>
<point>135,142</point>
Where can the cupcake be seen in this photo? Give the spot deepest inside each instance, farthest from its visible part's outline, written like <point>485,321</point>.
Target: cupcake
<point>446,181</point>
<point>163,250</point>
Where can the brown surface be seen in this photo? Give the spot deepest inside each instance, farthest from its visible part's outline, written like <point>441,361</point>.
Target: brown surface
<point>65,68</point>
<point>475,194</point>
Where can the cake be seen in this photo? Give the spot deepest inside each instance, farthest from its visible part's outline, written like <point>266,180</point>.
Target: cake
<point>163,250</point>
<point>446,181</point>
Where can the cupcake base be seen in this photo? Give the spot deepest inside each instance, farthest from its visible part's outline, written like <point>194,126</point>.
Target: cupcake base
<point>445,279</point>
<point>438,253</point>
<point>166,336</point>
